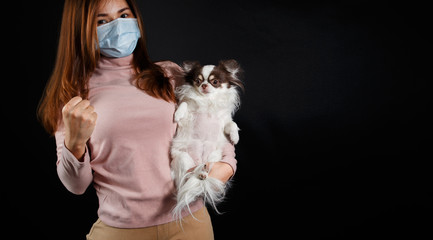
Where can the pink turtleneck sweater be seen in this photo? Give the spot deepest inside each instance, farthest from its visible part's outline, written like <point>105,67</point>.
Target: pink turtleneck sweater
<point>127,157</point>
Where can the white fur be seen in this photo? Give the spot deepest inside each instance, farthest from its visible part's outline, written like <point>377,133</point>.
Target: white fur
<point>207,69</point>
<point>220,103</point>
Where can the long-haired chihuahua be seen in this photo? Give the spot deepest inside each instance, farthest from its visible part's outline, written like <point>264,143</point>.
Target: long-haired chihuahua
<point>207,102</point>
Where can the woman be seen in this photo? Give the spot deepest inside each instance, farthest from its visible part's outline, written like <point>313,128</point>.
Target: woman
<point>111,111</point>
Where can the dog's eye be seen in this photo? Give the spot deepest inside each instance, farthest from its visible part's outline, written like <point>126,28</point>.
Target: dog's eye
<point>214,82</point>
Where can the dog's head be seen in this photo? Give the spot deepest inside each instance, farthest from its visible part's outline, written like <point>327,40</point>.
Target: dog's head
<point>210,79</point>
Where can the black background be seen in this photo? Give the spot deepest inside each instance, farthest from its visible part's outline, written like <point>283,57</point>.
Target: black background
<point>335,141</point>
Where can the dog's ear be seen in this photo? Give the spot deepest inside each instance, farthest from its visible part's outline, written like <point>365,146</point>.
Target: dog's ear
<point>232,66</point>
<point>235,70</point>
<point>188,66</point>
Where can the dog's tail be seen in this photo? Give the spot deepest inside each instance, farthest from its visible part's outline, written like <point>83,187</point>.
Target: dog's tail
<point>197,184</point>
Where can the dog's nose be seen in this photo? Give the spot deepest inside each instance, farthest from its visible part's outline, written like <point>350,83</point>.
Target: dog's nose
<point>204,86</point>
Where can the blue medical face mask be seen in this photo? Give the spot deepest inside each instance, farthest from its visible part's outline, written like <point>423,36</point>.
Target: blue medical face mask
<point>119,37</point>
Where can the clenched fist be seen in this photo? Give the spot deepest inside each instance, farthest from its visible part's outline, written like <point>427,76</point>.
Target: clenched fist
<point>79,119</point>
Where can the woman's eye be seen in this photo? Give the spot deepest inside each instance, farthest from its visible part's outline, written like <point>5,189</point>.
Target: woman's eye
<point>101,22</point>
<point>125,15</point>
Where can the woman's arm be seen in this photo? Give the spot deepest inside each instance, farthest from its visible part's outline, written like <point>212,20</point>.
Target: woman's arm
<point>226,168</point>
<point>221,171</point>
<point>75,175</point>
<point>73,132</point>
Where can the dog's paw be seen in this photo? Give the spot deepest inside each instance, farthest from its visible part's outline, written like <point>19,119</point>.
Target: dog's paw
<point>202,175</point>
<point>232,130</point>
<point>180,112</point>
<point>234,137</point>
<point>201,172</point>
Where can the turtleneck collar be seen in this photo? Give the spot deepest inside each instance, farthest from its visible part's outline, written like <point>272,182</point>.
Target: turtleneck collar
<point>115,63</point>
<point>112,71</point>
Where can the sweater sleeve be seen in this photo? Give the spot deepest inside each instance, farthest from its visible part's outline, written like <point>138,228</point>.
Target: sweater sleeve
<point>174,72</point>
<point>76,176</point>
<point>229,156</point>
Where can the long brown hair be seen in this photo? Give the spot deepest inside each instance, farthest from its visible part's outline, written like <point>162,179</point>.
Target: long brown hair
<point>78,56</point>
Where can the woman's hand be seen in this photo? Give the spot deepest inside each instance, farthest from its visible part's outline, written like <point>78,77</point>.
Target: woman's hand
<point>221,171</point>
<point>79,118</point>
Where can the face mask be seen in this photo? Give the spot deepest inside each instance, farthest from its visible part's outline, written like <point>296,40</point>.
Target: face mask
<point>119,37</point>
